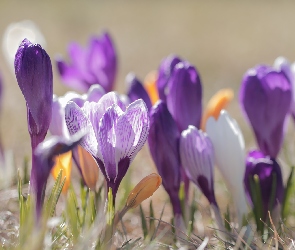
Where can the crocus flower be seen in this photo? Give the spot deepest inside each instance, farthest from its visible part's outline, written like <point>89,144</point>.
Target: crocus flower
<point>34,76</point>
<point>115,133</point>
<point>165,72</point>
<point>197,158</point>
<point>267,170</point>
<point>164,147</point>
<point>96,64</point>
<point>266,96</point>
<point>229,149</point>
<point>136,90</point>
<point>44,158</point>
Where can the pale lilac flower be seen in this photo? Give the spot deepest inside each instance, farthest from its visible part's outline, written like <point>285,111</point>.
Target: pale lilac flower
<point>197,158</point>
<point>115,133</point>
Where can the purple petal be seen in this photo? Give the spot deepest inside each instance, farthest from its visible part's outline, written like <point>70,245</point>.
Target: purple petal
<point>165,71</point>
<point>107,141</point>
<point>33,71</point>
<point>266,97</point>
<point>197,154</point>
<point>95,93</point>
<point>137,91</point>
<point>164,147</point>
<point>131,130</point>
<point>184,97</point>
<point>76,122</point>
<point>102,60</point>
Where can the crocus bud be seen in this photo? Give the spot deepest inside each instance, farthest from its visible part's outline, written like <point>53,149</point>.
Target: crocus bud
<point>184,96</point>
<point>163,142</point>
<point>96,64</point>
<point>143,190</point>
<point>197,158</point>
<point>217,103</point>
<point>136,90</point>
<point>269,173</point>
<point>165,72</point>
<point>229,147</point>
<point>45,155</point>
<point>34,76</point>
<point>63,162</point>
<point>266,97</point>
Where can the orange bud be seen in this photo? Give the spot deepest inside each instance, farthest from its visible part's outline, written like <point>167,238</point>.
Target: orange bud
<point>143,190</point>
<point>63,162</point>
<point>89,168</point>
<point>150,84</point>
<point>217,102</point>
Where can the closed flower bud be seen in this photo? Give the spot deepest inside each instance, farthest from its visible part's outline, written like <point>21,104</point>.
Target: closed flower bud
<point>143,190</point>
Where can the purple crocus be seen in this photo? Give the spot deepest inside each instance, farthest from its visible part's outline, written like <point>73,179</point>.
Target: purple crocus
<point>258,163</point>
<point>33,72</point>
<point>44,159</point>
<point>137,91</point>
<point>165,71</point>
<point>184,97</point>
<point>197,158</point>
<point>96,64</point>
<point>115,133</point>
<point>266,96</point>
<point>164,147</point>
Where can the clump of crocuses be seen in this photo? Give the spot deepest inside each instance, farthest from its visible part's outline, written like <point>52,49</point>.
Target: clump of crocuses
<point>33,72</point>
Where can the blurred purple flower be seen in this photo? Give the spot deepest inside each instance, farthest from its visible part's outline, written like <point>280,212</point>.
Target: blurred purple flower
<point>258,163</point>
<point>165,71</point>
<point>197,158</point>
<point>33,72</point>
<point>164,147</point>
<point>96,64</point>
<point>115,133</point>
<point>137,91</point>
<point>266,96</point>
<point>184,97</point>
<point>44,159</point>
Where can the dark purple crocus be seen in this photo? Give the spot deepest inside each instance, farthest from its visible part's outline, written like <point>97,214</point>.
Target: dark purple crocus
<point>97,64</point>
<point>184,96</point>
<point>137,91</point>
<point>165,71</point>
<point>197,158</point>
<point>258,163</point>
<point>116,133</point>
<point>44,159</point>
<point>33,72</point>
<point>164,147</point>
<point>266,97</point>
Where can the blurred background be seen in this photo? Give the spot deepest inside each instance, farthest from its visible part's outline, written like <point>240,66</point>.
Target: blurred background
<point>221,38</point>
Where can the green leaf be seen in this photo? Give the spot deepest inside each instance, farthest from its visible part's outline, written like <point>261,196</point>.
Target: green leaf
<point>110,208</point>
<point>290,188</point>
<point>193,209</point>
<point>152,221</point>
<point>227,219</point>
<point>143,222</point>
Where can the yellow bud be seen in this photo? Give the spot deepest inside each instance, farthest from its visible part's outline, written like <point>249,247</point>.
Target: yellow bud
<point>150,84</point>
<point>89,168</point>
<point>143,190</point>
<point>63,162</point>
<point>217,103</point>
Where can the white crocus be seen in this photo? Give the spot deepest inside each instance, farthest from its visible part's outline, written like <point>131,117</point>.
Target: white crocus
<point>229,148</point>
